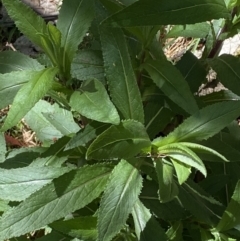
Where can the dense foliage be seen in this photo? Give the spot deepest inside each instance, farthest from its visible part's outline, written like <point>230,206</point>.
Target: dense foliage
<point>129,149</point>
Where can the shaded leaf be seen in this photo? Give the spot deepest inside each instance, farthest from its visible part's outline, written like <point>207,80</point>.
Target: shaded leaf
<point>122,141</point>
<point>228,72</point>
<point>167,186</point>
<point>231,216</point>
<point>174,233</point>
<point>84,228</point>
<point>171,82</point>
<point>119,197</point>
<point>93,102</point>
<point>88,133</point>
<point>88,64</point>
<point>203,124</point>
<point>168,12</point>
<point>16,61</point>
<point>28,22</point>
<point>122,83</point>
<point>192,70</point>
<point>18,184</point>
<point>65,194</point>
<point>209,210</point>
<point>198,30</point>
<point>29,95</point>
<point>71,14</point>
<point>44,130</point>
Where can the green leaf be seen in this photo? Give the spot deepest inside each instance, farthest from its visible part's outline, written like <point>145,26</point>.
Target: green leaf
<point>172,83</point>
<point>156,118</point>
<point>192,70</point>
<point>29,95</point>
<point>28,22</point>
<point>203,124</point>
<point>146,227</point>
<point>198,30</point>
<point>88,133</point>
<point>53,236</point>
<point>223,95</point>
<point>3,148</point>
<point>174,233</point>
<point>93,102</point>
<point>88,64</point>
<point>122,83</point>
<point>141,216</point>
<point>201,148</point>
<point>64,195</point>
<point>182,170</point>
<point>62,120</point>
<point>119,197</point>
<point>44,130</point>
<point>10,85</point>
<point>74,20</point>
<point>170,211</point>
<point>16,61</point>
<point>122,141</point>
<point>208,209</point>
<point>84,228</point>
<point>167,186</point>
<point>227,68</point>
<point>183,154</point>
<point>18,184</point>
<point>231,216</point>
<point>168,12</point>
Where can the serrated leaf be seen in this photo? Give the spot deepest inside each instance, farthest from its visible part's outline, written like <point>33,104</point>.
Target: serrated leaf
<point>119,197</point>
<point>174,233</point>
<point>183,154</point>
<point>122,83</point>
<point>53,236</point>
<point>74,20</point>
<point>192,69</point>
<point>44,130</point>
<point>198,30</point>
<point>65,194</point>
<point>84,228</point>
<point>10,85</point>
<point>90,131</point>
<point>29,95</point>
<point>209,210</point>
<point>3,148</point>
<point>227,68</point>
<point>222,95</point>
<point>170,211</point>
<point>28,22</point>
<point>168,12</point>
<point>201,148</point>
<point>62,120</point>
<point>183,170</point>
<point>15,61</point>
<point>231,216</point>
<point>156,118</point>
<point>172,83</point>
<point>91,99</point>
<point>122,141</point>
<point>203,124</point>
<point>88,64</point>
<point>18,184</point>
<point>141,216</point>
<point>167,186</point>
